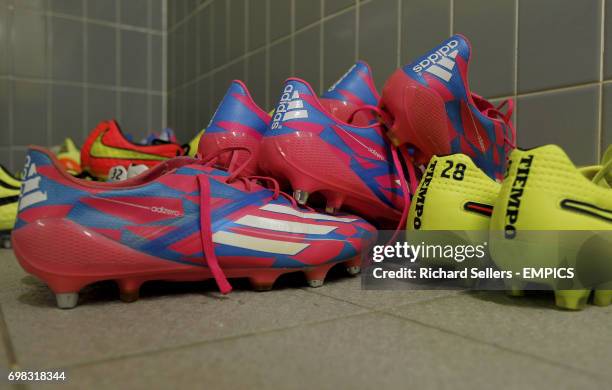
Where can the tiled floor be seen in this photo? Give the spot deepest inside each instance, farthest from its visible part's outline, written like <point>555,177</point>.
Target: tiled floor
<point>336,336</point>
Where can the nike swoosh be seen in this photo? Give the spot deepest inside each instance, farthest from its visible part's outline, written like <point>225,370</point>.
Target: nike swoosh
<point>586,208</point>
<point>100,150</point>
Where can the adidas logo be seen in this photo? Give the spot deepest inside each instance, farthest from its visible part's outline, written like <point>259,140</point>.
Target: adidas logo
<point>440,62</point>
<point>290,107</point>
<point>30,191</point>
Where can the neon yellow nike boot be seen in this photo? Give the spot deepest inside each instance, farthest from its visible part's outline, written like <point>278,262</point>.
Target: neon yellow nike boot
<point>69,156</point>
<point>542,199</point>
<point>193,144</point>
<point>9,197</point>
<point>454,195</point>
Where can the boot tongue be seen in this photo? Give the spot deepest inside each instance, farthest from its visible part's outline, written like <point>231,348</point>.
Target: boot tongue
<point>444,68</point>
<point>355,87</point>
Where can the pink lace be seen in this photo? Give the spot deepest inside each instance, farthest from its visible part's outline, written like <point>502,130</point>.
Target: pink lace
<point>496,112</point>
<point>408,187</point>
<point>206,235</point>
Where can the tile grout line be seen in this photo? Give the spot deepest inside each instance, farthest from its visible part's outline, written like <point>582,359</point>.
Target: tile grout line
<point>451,13</point>
<point>78,84</point>
<point>10,15</point>
<point>117,65</point>
<point>85,115</point>
<point>321,46</point>
<point>267,54</point>
<point>386,311</point>
<point>212,341</point>
<point>357,29</point>
<point>516,62</point>
<point>266,46</point>
<point>292,34</point>
<point>398,54</point>
<point>164,80</point>
<point>11,355</point>
<point>498,346</point>
<point>600,118</point>
<point>48,91</point>
<point>198,66</point>
<point>113,25</point>
<point>149,69</point>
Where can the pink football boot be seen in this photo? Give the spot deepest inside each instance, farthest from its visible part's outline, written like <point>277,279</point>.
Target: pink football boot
<point>352,98</point>
<point>351,166</point>
<point>237,122</point>
<point>430,107</point>
<point>182,220</point>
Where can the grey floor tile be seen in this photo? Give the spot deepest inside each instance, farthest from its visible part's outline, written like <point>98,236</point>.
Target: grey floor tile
<point>360,352</point>
<point>29,113</point>
<point>280,19</point>
<point>67,113</point>
<point>134,51</point>
<point>379,19</point>
<point>29,37</point>
<point>332,6</point>
<point>550,27</point>
<point>492,64</point>
<point>67,49</point>
<point>349,289</point>
<point>338,46</point>
<point>529,325</point>
<point>432,16</point>
<point>306,12</point>
<point>258,19</point>
<point>567,118</point>
<point>102,9</point>
<point>5,362</point>
<point>307,55</point>
<point>607,118</point>
<point>168,315</point>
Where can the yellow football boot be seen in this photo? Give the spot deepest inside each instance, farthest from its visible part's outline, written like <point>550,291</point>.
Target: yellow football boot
<point>69,156</point>
<point>9,197</point>
<point>454,197</point>
<point>550,215</point>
